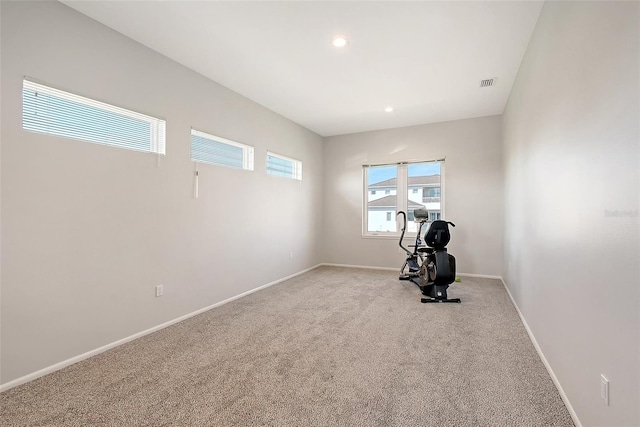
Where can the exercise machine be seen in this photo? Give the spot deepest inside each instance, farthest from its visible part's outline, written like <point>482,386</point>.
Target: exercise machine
<point>429,265</point>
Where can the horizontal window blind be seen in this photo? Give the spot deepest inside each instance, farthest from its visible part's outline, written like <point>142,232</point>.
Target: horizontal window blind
<point>219,151</point>
<point>283,166</point>
<point>52,111</point>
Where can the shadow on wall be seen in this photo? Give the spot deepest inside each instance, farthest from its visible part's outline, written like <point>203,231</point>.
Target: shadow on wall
<point>459,247</point>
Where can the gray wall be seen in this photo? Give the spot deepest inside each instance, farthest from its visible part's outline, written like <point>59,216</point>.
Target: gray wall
<point>473,191</point>
<point>89,230</point>
<point>571,132</point>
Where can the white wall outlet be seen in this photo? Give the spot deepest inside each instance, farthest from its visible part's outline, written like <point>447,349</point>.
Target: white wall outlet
<point>604,389</point>
<point>290,254</point>
<point>159,291</point>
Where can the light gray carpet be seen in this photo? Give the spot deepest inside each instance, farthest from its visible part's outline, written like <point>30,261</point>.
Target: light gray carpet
<point>332,347</point>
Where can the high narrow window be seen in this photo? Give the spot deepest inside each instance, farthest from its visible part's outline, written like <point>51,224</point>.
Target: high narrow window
<point>219,151</point>
<point>283,166</point>
<point>52,111</point>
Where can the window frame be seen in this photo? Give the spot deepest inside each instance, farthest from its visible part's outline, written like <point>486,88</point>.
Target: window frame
<point>402,197</point>
<point>296,169</point>
<point>157,126</point>
<point>248,156</point>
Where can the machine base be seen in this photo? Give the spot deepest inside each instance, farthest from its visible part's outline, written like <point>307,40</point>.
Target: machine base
<point>426,300</point>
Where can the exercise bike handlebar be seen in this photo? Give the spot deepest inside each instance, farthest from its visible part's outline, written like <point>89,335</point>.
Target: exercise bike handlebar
<point>404,227</point>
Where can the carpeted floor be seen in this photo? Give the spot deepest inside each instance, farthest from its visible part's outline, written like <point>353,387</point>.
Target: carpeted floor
<point>331,347</point>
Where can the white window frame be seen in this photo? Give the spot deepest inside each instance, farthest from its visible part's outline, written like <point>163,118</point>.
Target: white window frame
<point>247,150</point>
<point>157,137</point>
<point>402,199</point>
<point>297,166</point>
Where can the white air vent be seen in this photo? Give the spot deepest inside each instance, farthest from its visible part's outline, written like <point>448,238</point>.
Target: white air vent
<point>487,82</point>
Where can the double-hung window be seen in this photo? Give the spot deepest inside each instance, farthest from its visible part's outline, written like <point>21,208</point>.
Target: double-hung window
<point>381,187</point>
<point>55,112</point>
<point>407,187</point>
<point>280,165</point>
<point>212,149</point>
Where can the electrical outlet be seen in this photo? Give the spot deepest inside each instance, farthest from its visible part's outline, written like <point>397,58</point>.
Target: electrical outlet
<point>159,291</point>
<point>290,254</point>
<point>604,389</point>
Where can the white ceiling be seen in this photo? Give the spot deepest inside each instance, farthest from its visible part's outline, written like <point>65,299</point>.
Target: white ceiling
<point>424,58</point>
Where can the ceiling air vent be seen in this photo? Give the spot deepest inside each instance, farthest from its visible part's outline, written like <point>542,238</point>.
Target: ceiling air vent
<point>487,82</point>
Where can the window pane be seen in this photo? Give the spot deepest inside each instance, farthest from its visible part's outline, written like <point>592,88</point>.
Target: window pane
<point>423,188</point>
<point>280,167</point>
<point>284,166</point>
<point>219,151</point>
<point>382,205</point>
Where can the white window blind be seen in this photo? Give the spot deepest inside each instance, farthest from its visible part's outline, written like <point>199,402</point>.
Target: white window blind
<point>219,151</point>
<point>55,112</point>
<point>284,166</point>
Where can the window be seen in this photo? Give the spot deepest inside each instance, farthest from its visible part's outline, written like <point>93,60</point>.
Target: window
<point>433,192</point>
<point>427,177</point>
<point>408,186</point>
<point>377,218</point>
<point>54,112</point>
<point>219,151</point>
<point>283,166</point>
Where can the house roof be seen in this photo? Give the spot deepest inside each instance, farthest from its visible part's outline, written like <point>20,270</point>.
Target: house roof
<point>414,181</point>
<point>390,202</point>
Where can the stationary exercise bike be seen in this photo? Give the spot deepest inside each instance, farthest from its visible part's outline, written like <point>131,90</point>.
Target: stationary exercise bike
<point>429,266</point>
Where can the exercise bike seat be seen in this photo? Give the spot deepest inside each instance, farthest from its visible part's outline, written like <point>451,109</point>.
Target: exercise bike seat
<point>437,236</point>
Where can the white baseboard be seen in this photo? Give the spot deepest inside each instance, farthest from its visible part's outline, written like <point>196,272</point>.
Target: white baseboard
<point>480,276</point>
<point>563,395</point>
<point>368,267</point>
<point>42,372</point>
<point>553,376</point>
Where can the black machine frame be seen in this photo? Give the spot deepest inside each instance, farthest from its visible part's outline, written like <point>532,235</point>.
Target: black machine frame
<point>428,265</point>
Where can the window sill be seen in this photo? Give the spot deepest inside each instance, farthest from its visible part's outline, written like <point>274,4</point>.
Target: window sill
<point>394,236</point>
<point>409,235</point>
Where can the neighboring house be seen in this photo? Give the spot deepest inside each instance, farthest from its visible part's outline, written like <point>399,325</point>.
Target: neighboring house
<point>422,192</point>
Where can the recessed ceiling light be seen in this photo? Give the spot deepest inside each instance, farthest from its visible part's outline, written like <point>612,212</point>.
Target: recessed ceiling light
<point>388,109</point>
<point>339,41</point>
